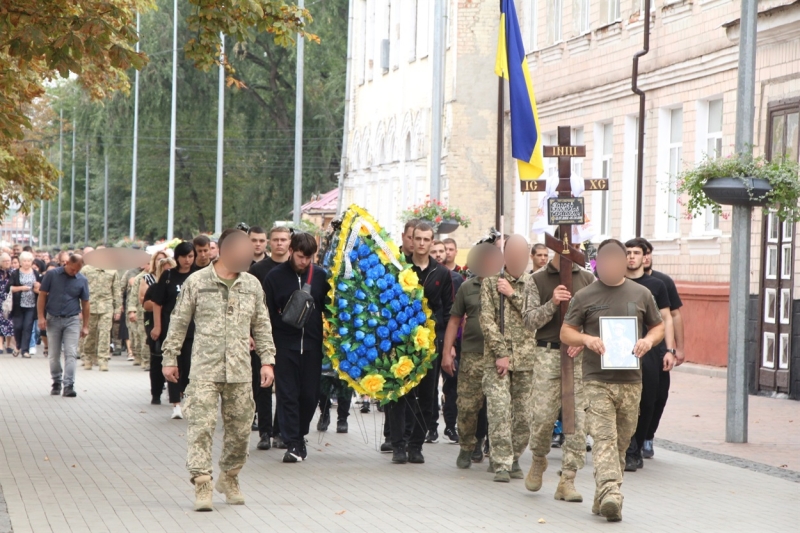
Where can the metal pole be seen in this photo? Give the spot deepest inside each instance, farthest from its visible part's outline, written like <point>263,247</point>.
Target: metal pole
<point>220,135</point>
<point>172,132</point>
<point>298,127</point>
<point>41,223</point>
<point>640,134</point>
<point>437,98</point>
<point>49,219</point>
<point>499,192</point>
<point>105,200</point>
<point>347,89</point>
<point>72,195</point>
<point>86,202</point>
<point>736,408</point>
<point>132,232</point>
<point>60,172</point>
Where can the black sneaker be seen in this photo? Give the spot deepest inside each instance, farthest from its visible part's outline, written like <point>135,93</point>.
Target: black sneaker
<point>380,408</point>
<point>647,449</point>
<point>293,454</point>
<point>254,426</point>
<point>432,437</point>
<point>477,453</point>
<point>365,407</point>
<point>341,426</point>
<point>399,456</point>
<point>452,435</point>
<point>156,400</point>
<point>486,447</point>
<point>277,442</point>
<point>557,441</point>
<point>630,463</point>
<point>639,460</point>
<point>69,392</point>
<point>324,421</point>
<point>415,456</point>
<point>386,447</point>
<point>56,390</point>
<point>264,443</point>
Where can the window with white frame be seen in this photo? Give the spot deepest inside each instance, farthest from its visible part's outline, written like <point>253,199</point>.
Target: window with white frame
<point>410,10</point>
<point>675,159</point>
<point>576,163</point>
<point>713,150</point>
<point>555,10</point>
<point>606,168</point>
<point>612,11</point>
<point>362,36</point>
<point>629,173</point>
<point>550,163</point>
<point>424,16</point>
<point>530,28</point>
<point>582,20</point>
<point>370,39</point>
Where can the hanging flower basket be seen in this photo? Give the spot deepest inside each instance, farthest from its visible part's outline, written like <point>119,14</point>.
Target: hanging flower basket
<point>442,219</point>
<point>738,191</point>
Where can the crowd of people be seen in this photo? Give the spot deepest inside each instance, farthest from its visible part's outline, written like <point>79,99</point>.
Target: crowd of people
<point>209,321</point>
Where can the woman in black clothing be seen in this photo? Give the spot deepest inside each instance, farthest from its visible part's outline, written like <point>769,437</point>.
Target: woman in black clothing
<point>158,264</point>
<point>25,289</point>
<point>164,297</point>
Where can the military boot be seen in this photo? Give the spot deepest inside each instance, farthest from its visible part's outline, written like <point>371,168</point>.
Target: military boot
<point>203,493</point>
<point>596,505</point>
<point>516,471</point>
<point>566,488</point>
<point>103,366</point>
<point>464,459</point>
<point>87,363</point>
<point>228,484</point>
<point>502,476</point>
<point>533,481</point>
<point>611,507</point>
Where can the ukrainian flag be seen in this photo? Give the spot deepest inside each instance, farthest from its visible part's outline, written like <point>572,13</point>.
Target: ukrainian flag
<point>526,143</point>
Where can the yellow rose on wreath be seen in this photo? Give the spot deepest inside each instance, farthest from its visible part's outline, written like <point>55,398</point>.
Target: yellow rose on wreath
<point>408,280</point>
<point>402,367</point>
<point>422,338</point>
<point>372,383</point>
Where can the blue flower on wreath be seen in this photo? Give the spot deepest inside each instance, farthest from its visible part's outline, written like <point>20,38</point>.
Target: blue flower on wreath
<point>353,256</point>
<point>416,305</point>
<point>358,322</point>
<point>343,331</point>
<point>372,308</point>
<point>412,322</point>
<point>363,251</point>
<point>374,260</point>
<point>395,305</point>
<point>342,286</point>
<point>405,329</point>
<point>345,347</point>
<point>344,366</point>
<point>421,318</point>
<point>389,278</point>
<point>363,265</point>
<point>372,322</point>
<point>386,313</point>
<point>404,300</point>
<point>363,362</point>
<point>344,316</point>
<point>369,340</point>
<point>372,353</point>
<point>358,309</point>
<point>354,372</point>
<point>398,291</point>
<point>383,332</point>
<point>360,335</point>
<point>379,269</point>
<point>369,283</point>
<point>386,297</point>
<point>392,325</point>
<point>361,295</point>
<point>352,358</point>
<point>381,284</point>
<point>396,337</point>
<point>401,317</point>
<point>386,346</point>
<point>361,351</point>
<point>342,303</point>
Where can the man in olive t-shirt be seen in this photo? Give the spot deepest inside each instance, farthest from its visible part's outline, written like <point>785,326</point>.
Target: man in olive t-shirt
<point>612,396</point>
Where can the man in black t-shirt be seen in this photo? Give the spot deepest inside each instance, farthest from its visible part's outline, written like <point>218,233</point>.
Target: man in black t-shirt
<point>656,362</point>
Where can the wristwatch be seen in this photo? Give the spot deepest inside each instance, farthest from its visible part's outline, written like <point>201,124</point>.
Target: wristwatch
<point>672,351</point>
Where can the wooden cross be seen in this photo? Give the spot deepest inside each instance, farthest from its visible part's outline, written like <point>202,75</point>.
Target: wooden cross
<point>568,254</point>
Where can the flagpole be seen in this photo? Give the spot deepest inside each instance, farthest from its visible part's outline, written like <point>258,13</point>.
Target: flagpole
<point>499,193</point>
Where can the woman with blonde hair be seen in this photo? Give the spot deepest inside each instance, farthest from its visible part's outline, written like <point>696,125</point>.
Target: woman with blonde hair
<point>158,267</point>
<point>25,290</point>
<point>6,327</point>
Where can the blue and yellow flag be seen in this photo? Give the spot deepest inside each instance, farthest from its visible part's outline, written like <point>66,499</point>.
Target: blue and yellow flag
<point>526,142</point>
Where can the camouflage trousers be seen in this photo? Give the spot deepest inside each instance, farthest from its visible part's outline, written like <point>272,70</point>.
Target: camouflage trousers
<point>611,417</point>
<point>138,336</point>
<point>96,344</point>
<point>470,397</point>
<point>546,403</point>
<point>508,410</point>
<point>201,409</point>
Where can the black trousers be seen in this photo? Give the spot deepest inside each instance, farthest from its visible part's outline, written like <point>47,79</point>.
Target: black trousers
<point>297,391</point>
<point>415,405</point>
<point>23,327</point>
<point>482,431</point>
<point>661,402</point>
<point>262,397</point>
<point>344,399</point>
<point>157,378</point>
<point>450,393</point>
<point>184,367</point>
<point>655,383</point>
<point>433,412</point>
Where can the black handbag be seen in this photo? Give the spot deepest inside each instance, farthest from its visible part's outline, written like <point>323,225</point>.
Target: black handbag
<point>298,309</point>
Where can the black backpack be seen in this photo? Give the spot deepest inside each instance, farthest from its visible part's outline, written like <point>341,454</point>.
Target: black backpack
<point>298,309</point>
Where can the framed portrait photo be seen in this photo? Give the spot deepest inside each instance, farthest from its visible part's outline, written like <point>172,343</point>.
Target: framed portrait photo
<point>619,335</point>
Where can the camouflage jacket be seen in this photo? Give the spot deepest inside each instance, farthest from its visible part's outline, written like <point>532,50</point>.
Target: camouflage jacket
<point>105,290</point>
<point>534,313</point>
<point>224,319</point>
<point>133,295</point>
<point>128,292</point>
<point>517,343</point>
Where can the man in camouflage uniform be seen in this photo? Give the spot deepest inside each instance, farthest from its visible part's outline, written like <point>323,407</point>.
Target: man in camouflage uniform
<point>130,297</point>
<point>544,319</point>
<point>612,396</point>
<point>136,330</point>
<point>106,293</point>
<point>508,362</point>
<point>226,304</point>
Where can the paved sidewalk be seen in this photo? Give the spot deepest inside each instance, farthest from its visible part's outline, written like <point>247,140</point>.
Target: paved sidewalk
<point>107,461</point>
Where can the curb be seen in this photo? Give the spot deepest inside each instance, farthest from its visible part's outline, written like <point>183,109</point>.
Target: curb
<point>702,370</point>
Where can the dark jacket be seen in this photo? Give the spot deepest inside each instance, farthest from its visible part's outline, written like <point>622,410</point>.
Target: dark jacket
<point>279,285</point>
<point>438,286</point>
<point>17,296</point>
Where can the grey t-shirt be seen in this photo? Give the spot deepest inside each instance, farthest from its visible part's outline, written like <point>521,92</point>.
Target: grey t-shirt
<point>599,300</point>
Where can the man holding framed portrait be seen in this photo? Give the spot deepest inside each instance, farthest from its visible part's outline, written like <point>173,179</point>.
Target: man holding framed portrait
<point>612,395</point>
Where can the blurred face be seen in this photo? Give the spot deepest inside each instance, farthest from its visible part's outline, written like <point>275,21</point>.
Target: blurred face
<point>203,255</point>
<point>259,241</point>
<point>214,250</point>
<point>516,255</point>
<point>238,252</point>
<point>63,257</point>
<point>72,268</point>
<point>612,264</point>
<point>185,262</point>
<point>5,262</point>
<point>300,261</point>
<point>422,242</point>
<point>87,250</point>
<point>14,263</point>
<point>485,260</point>
<point>279,243</point>
<point>450,251</point>
<point>46,257</point>
<point>26,263</point>
<point>408,241</point>
<point>635,258</point>
<point>540,257</point>
<point>17,249</point>
<point>438,252</point>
